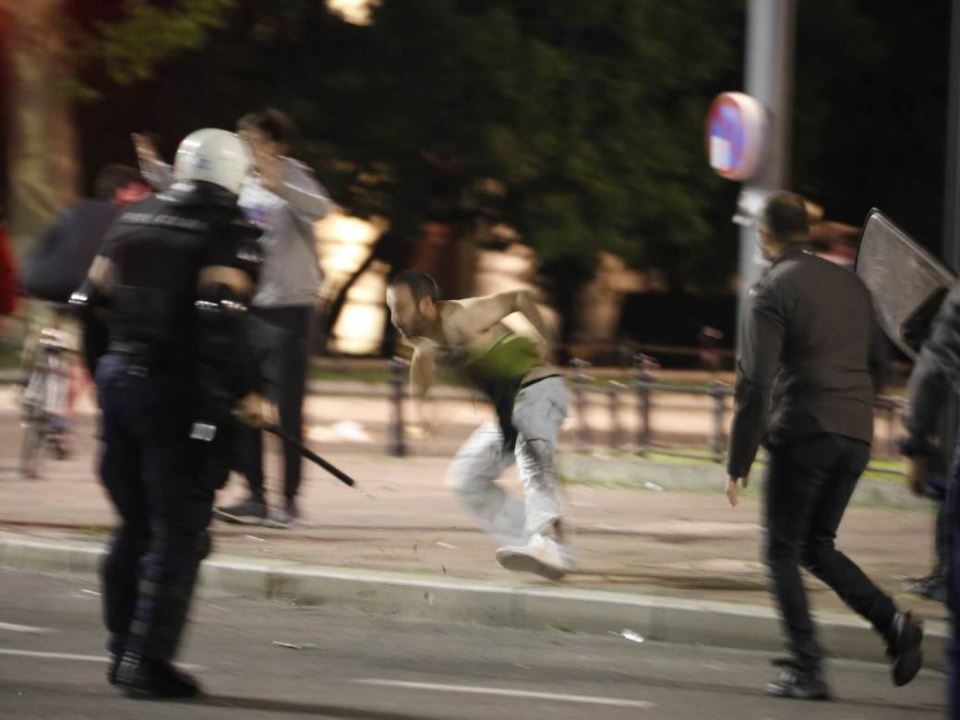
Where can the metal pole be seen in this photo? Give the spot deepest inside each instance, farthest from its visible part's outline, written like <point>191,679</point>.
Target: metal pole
<point>398,446</point>
<point>717,439</point>
<point>951,220</point>
<point>642,381</point>
<point>613,391</point>
<point>769,78</point>
<point>580,401</point>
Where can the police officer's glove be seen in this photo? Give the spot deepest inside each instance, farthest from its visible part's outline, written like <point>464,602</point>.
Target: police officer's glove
<point>255,411</point>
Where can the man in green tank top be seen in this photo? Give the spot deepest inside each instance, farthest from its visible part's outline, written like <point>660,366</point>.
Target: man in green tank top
<point>530,400</point>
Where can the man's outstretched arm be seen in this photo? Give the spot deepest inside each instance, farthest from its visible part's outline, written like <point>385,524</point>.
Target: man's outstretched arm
<point>481,313</point>
<point>422,373</point>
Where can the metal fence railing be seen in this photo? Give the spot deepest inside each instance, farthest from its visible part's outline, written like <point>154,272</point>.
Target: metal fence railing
<point>631,410</point>
<point>643,393</point>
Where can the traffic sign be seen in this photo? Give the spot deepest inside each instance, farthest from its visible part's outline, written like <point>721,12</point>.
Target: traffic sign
<point>736,125</point>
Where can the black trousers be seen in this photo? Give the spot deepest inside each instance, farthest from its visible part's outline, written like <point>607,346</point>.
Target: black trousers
<point>808,486</point>
<point>149,467</point>
<point>286,366</point>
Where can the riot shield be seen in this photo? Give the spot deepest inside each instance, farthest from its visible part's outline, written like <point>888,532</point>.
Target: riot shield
<point>908,284</point>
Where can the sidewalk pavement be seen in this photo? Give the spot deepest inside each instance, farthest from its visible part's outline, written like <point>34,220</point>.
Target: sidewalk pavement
<point>674,565</point>
<point>350,411</point>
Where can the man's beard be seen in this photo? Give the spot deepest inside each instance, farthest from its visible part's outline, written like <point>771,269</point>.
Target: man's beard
<point>416,329</point>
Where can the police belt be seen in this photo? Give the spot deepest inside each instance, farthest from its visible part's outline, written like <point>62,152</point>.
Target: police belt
<point>141,357</point>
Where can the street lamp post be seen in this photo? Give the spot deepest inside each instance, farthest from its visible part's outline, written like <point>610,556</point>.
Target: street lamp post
<point>769,79</point>
<point>951,219</point>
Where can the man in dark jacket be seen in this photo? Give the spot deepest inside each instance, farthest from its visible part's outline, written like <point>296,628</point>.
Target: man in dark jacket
<point>807,361</point>
<point>168,293</point>
<point>935,376</point>
<point>59,263</point>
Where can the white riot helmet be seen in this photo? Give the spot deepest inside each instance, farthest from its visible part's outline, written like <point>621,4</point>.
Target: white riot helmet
<point>214,156</point>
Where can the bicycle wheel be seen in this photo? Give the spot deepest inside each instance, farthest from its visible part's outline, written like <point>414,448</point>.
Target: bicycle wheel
<point>31,443</point>
<point>35,421</point>
<point>56,403</point>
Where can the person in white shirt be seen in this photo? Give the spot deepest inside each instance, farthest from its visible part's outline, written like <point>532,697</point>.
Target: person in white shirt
<point>284,200</point>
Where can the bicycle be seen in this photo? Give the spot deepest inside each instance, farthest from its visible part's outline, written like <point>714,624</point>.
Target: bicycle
<point>45,400</point>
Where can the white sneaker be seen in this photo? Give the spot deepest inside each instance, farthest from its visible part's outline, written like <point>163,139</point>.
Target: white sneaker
<point>541,555</point>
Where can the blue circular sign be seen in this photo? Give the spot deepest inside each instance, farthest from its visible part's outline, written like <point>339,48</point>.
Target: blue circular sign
<point>735,133</point>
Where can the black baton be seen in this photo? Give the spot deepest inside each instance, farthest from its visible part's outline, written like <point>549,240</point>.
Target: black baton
<point>310,455</point>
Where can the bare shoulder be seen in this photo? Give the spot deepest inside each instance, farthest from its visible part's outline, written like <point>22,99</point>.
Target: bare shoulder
<point>453,308</point>
<point>503,300</point>
<point>471,317</point>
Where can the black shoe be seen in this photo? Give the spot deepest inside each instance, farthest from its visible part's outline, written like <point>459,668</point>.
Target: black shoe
<point>141,677</point>
<point>249,512</point>
<point>798,682</point>
<point>905,648</point>
<point>112,668</point>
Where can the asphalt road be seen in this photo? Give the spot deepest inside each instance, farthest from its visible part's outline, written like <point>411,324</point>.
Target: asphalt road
<point>266,660</point>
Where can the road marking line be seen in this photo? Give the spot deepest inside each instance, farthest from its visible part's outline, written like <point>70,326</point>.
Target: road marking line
<point>503,692</point>
<point>79,658</point>
<point>54,656</point>
<point>23,628</point>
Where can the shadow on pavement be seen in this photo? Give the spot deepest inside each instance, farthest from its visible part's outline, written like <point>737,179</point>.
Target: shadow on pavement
<point>309,709</point>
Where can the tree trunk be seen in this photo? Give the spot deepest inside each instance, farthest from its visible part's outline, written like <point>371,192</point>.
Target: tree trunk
<point>42,157</point>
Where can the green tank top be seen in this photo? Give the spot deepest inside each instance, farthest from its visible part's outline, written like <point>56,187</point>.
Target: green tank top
<point>498,371</point>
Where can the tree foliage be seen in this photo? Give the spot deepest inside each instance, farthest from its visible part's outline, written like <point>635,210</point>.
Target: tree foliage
<point>579,125</point>
<point>147,34</point>
<point>129,39</point>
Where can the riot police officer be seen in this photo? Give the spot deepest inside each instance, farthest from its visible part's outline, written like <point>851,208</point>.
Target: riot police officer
<point>164,308</point>
<point>935,374</point>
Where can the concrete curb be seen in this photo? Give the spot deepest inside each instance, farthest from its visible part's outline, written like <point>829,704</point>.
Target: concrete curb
<point>445,599</point>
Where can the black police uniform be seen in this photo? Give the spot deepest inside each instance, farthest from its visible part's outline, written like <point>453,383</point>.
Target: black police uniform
<point>935,375</point>
<point>165,338</point>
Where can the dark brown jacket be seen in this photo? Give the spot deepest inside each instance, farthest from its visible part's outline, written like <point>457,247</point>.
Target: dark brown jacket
<point>809,361</point>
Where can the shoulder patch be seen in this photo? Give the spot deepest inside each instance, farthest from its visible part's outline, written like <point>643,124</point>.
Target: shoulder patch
<point>250,256</point>
<point>165,220</point>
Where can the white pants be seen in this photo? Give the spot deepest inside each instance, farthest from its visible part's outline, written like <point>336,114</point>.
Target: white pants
<point>538,412</point>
